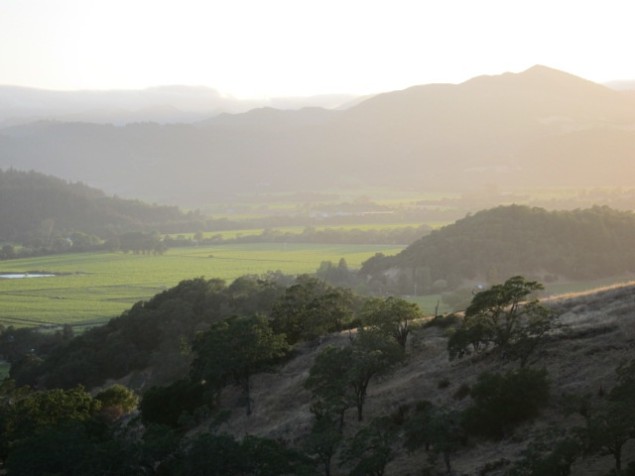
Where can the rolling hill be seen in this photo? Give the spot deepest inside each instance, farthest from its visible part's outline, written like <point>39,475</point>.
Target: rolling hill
<point>34,206</point>
<point>595,333</point>
<point>505,241</point>
<point>538,128</point>
<point>581,360</point>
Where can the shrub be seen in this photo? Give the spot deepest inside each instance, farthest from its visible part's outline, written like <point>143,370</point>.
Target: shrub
<point>462,392</point>
<point>501,402</point>
<point>444,322</point>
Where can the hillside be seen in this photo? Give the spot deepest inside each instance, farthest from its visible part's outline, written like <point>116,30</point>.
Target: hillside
<point>595,332</point>
<point>509,240</point>
<point>38,208</point>
<point>581,359</point>
<point>510,131</point>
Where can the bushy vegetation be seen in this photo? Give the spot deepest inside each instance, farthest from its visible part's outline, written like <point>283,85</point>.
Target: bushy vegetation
<point>502,401</point>
<point>155,333</point>
<point>505,319</point>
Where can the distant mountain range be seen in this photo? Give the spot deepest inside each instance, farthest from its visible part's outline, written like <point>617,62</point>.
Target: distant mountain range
<point>541,127</point>
<point>164,105</point>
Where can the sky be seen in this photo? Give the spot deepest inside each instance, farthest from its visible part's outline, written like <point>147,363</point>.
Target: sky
<point>271,48</point>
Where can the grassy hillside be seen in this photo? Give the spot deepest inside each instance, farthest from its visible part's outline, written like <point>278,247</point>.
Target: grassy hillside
<point>580,358</point>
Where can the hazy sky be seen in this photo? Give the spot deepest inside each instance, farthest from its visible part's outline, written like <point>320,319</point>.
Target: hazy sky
<point>252,48</point>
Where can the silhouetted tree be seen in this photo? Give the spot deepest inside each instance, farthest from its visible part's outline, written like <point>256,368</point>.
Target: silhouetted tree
<point>391,316</point>
<point>236,349</point>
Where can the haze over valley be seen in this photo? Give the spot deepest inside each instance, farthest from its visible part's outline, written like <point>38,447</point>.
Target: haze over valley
<point>540,128</point>
<point>328,238</point>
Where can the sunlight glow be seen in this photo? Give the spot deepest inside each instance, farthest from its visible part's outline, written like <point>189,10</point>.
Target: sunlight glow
<point>250,48</point>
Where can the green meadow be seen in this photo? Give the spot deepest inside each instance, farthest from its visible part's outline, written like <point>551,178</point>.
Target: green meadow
<point>90,288</point>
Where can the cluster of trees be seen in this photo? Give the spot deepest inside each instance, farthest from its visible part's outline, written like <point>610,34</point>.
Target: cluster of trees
<point>339,379</point>
<point>159,333</point>
<point>505,319</point>
<point>608,425</point>
<point>511,240</point>
<point>67,431</point>
<point>251,327</point>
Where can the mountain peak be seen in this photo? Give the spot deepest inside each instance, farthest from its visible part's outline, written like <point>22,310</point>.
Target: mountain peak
<point>542,69</point>
<point>539,71</point>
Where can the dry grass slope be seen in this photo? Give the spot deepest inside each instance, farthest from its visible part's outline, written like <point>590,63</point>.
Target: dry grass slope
<point>581,358</point>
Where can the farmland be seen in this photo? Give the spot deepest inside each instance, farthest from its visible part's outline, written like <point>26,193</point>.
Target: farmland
<point>90,288</point>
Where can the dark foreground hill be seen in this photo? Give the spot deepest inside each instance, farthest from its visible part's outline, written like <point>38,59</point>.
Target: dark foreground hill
<point>537,128</point>
<point>595,333</point>
<point>36,208</point>
<point>581,360</point>
<point>510,240</point>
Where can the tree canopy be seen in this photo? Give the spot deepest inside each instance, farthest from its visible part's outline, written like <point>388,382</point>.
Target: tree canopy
<point>504,318</point>
<point>510,240</point>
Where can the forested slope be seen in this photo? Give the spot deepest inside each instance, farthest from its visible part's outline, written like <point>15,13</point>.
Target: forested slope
<point>494,244</point>
<point>35,206</point>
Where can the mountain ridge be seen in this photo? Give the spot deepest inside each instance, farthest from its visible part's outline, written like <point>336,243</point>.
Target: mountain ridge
<point>508,130</point>
<point>188,104</point>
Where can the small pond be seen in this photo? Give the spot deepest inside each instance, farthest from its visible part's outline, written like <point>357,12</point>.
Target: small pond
<point>25,275</point>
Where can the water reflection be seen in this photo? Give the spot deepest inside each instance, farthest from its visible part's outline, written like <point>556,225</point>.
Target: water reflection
<point>24,275</point>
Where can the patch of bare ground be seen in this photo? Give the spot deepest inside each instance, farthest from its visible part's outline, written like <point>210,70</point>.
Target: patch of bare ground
<point>597,333</point>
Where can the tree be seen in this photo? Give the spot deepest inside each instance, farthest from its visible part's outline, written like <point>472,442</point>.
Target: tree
<point>116,401</point>
<point>324,440</point>
<point>551,453</point>
<point>501,317</point>
<point>611,425</point>
<point>439,429</point>
<point>211,455</point>
<point>609,428</point>
<point>166,405</point>
<point>311,308</point>
<point>43,409</point>
<point>234,350</point>
<point>391,316</point>
<point>372,355</point>
<point>329,383</point>
<point>371,448</point>
<point>28,416</point>
<point>338,275</point>
<point>339,377</point>
<point>7,252</point>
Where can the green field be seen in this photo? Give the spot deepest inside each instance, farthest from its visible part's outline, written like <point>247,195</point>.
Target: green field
<point>93,287</point>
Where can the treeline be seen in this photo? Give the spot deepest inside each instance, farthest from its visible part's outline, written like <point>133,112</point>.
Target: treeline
<point>357,236</point>
<point>152,334</point>
<point>509,240</point>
